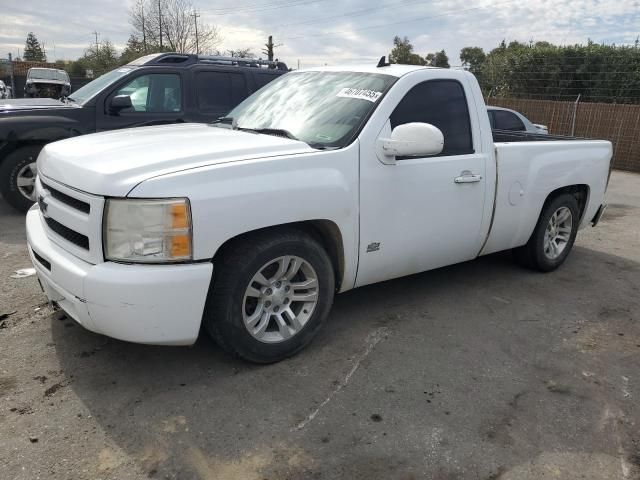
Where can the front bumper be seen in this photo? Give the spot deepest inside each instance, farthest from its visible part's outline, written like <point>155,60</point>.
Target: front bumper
<point>155,304</point>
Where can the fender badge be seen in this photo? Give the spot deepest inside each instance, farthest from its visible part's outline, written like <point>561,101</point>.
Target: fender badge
<point>373,247</point>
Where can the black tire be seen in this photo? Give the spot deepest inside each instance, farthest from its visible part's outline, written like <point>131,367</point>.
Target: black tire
<point>9,169</point>
<point>233,271</point>
<point>532,255</point>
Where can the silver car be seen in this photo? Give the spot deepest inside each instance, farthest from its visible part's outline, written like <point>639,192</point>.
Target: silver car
<point>506,119</point>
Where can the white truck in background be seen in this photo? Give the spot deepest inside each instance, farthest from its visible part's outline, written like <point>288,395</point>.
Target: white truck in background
<point>323,181</point>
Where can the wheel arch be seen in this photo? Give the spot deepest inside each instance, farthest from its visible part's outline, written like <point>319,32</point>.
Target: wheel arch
<point>580,191</point>
<point>326,232</point>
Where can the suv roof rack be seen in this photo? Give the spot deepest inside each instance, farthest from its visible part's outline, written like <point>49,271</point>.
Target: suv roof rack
<point>190,58</point>
<point>241,62</point>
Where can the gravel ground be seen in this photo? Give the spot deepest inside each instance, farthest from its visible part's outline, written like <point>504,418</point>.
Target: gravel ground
<point>478,371</point>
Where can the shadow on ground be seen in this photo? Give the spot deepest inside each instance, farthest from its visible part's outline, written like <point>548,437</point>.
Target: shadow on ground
<point>480,371</point>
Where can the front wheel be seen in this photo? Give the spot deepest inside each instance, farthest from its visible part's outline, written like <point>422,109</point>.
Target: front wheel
<point>271,293</point>
<point>18,177</point>
<point>553,236</point>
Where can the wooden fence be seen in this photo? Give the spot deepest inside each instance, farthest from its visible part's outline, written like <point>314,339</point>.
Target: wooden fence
<point>618,123</point>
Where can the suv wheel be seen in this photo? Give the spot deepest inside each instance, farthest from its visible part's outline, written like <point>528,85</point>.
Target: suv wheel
<point>18,177</point>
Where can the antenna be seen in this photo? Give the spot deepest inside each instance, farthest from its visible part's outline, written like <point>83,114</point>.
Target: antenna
<point>382,62</point>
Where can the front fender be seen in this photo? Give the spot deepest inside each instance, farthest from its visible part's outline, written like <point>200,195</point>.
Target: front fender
<point>230,199</point>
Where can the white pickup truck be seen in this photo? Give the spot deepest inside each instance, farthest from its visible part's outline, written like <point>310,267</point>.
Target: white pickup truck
<point>323,181</point>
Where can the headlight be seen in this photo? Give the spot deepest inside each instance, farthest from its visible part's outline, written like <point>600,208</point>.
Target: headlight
<point>147,231</point>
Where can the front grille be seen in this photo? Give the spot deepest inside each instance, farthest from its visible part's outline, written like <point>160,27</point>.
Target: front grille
<point>46,264</point>
<point>64,198</point>
<point>76,238</point>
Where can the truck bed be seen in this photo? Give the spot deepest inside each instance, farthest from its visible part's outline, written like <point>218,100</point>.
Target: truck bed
<point>503,136</point>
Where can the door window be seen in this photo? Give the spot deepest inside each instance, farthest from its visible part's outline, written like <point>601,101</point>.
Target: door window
<point>220,91</point>
<point>507,121</point>
<point>441,103</point>
<point>156,93</point>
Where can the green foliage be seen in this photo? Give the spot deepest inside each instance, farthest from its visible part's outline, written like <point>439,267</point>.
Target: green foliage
<point>472,58</point>
<point>100,58</point>
<point>32,50</point>
<point>135,49</point>
<point>599,73</point>
<point>438,59</point>
<point>402,52</point>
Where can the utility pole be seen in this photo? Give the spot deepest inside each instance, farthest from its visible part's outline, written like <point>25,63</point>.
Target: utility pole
<point>269,50</point>
<point>144,30</point>
<point>97,44</point>
<point>160,20</point>
<point>195,16</point>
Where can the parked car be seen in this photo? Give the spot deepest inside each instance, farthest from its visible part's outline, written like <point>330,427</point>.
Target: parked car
<point>505,119</point>
<point>47,83</point>
<point>5,92</point>
<point>325,180</point>
<point>153,90</point>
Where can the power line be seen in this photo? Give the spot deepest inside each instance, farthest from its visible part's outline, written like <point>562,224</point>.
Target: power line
<point>259,7</point>
<point>353,13</point>
<point>415,19</point>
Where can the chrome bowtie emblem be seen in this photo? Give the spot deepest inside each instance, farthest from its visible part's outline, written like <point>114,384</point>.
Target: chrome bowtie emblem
<point>43,205</point>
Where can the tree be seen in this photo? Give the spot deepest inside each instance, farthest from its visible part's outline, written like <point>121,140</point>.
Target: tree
<point>133,50</point>
<point>472,59</point>
<point>438,59</point>
<point>170,26</point>
<point>402,52</point>
<point>541,70</point>
<point>100,58</point>
<point>33,52</point>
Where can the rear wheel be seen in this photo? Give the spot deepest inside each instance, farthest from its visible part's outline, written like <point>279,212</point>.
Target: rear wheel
<point>18,177</point>
<point>271,293</point>
<point>553,237</point>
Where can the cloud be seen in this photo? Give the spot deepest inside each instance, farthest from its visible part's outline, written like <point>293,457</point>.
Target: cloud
<point>316,32</point>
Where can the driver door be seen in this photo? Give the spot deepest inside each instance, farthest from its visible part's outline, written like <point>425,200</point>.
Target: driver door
<point>415,213</point>
<point>156,98</point>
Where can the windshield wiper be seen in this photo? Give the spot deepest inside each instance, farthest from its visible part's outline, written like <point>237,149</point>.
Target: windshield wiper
<point>278,132</point>
<point>225,121</point>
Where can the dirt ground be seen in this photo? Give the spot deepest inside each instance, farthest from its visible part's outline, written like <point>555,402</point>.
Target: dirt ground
<point>478,371</point>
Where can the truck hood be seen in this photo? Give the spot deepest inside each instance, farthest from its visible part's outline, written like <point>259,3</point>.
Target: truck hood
<point>22,104</point>
<point>49,82</point>
<point>113,163</point>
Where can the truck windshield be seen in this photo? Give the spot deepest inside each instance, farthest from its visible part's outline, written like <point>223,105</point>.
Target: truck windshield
<point>91,89</point>
<point>323,109</point>
<point>47,74</point>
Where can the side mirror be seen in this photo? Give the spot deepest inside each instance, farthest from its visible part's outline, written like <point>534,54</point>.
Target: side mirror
<point>120,102</point>
<point>414,140</point>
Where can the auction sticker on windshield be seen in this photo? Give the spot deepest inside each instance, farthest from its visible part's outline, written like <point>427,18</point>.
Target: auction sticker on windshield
<point>363,94</point>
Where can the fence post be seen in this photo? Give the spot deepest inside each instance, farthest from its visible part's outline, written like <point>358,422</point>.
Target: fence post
<point>13,84</point>
<point>575,111</point>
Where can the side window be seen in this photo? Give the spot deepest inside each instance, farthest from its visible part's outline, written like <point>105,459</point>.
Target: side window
<point>441,103</point>
<point>507,121</point>
<point>263,78</point>
<point>492,120</point>
<point>220,91</point>
<point>156,93</point>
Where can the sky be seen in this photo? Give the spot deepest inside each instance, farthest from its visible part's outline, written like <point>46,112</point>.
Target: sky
<point>318,32</point>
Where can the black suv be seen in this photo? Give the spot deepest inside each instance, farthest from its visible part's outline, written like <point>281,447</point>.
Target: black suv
<point>153,90</point>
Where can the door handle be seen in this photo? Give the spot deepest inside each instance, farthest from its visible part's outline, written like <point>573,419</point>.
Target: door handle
<point>467,177</point>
